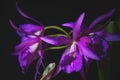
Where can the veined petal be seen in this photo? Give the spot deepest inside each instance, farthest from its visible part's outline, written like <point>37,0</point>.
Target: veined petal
<point>100,18</point>
<point>69,24</point>
<point>84,50</point>
<point>77,27</point>
<point>56,40</point>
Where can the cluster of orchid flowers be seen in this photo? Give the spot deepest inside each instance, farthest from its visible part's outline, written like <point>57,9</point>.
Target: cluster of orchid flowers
<point>82,44</point>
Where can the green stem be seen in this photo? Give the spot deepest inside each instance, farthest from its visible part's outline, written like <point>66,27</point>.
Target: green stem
<point>58,28</point>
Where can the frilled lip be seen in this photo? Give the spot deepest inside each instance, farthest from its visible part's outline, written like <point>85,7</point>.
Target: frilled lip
<point>69,62</point>
<point>26,54</point>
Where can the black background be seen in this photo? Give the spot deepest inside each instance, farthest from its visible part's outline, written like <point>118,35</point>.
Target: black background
<point>50,13</point>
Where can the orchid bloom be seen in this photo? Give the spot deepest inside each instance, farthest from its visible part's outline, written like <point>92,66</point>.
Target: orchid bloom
<point>80,46</point>
<point>31,47</point>
<point>72,57</point>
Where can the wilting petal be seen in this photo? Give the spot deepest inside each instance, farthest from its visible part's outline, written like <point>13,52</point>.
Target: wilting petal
<point>84,50</point>
<point>77,27</point>
<point>100,18</point>
<point>57,40</point>
<point>69,24</point>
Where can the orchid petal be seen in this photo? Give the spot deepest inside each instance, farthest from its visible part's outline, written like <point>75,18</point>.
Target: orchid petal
<point>70,62</point>
<point>100,18</point>
<point>84,50</point>
<point>69,24</point>
<point>28,55</point>
<point>24,44</point>
<point>56,40</point>
<point>26,58</point>
<point>100,46</point>
<point>75,65</point>
<point>77,27</point>
<point>112,37</point>
<point>108,35</point>
<point>73,48</point>
<point>30,28</point>
<point>59,68</point>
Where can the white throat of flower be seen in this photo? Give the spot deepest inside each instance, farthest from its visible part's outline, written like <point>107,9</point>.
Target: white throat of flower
<point>72,49</point>
<point>33,47</point>
<point>36,33</point>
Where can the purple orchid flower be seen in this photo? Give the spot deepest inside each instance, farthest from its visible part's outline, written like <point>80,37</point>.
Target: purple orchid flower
<point>82,44</point>
<point>72,57</point>
<point>31,46</point>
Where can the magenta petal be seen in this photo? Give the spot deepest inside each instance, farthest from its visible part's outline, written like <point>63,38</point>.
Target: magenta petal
<point>24,44</point>
<point>84,50</point>
<point>77,27</point>
<point>27,54</point>
<point>69,24</point>
<point>57,40</point>
<point>100,18</point>
<point>30,28</point>
<point>59,67</point>
<point>25,59</point>
<point>70,62</point>
<point>75,65</point>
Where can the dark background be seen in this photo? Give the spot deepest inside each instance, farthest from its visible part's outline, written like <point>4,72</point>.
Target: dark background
<point>50,13</point>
